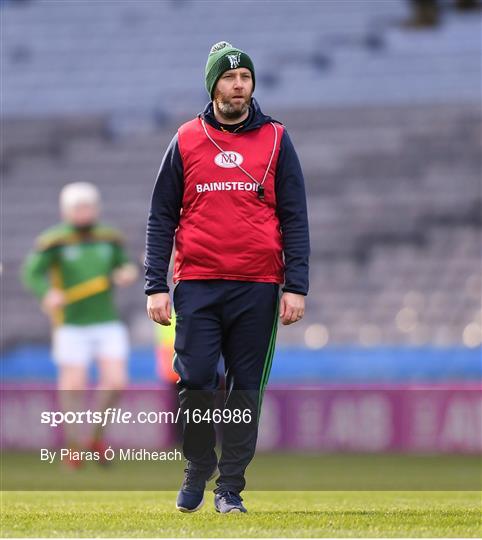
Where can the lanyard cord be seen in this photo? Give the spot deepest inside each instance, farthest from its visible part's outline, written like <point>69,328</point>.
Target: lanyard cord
<point>239,166</point>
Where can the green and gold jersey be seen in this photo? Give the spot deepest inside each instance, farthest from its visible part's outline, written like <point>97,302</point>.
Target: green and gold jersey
<point>80,264</point>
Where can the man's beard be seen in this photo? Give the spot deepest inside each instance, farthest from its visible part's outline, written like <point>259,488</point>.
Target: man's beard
<point>230,111</point>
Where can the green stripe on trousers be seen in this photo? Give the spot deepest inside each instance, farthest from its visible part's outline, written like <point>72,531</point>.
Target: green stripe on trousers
<point>268,361</point>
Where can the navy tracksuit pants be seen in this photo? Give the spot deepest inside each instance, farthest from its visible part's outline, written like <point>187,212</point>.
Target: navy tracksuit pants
<point>238,319</point>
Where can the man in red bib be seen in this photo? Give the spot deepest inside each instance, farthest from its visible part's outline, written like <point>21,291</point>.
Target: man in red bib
<point>230,192</point>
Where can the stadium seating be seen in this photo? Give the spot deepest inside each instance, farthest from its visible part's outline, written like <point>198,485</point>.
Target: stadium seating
<point>389,228</point>
<point>130,58</point>
<point>386,123</point>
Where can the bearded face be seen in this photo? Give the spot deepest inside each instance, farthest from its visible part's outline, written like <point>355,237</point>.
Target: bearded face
<point>233,92</point>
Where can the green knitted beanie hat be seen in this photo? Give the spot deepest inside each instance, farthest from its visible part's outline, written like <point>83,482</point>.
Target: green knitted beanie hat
<point>223,57</point>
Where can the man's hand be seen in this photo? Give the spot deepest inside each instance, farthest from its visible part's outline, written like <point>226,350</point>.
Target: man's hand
<point>125,275</point>
<point>292,308</point>
<point>53,300</point>
<point>159,308</point>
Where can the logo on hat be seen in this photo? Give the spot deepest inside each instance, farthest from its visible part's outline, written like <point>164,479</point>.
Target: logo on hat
<point>228,160</point>
<point>234,59</point>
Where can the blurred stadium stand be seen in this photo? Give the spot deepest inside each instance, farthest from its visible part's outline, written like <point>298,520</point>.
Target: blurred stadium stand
<point>147,58</point>
<point>387,122</point>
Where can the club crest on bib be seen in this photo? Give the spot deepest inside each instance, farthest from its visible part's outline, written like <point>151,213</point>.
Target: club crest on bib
<point>228,160</point>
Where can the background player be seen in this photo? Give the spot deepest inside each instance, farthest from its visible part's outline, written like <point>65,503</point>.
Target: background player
<point>72,271</point>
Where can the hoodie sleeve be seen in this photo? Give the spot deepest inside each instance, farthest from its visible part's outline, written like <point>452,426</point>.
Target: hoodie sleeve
<point>163,219</point>
<point>293,216</point>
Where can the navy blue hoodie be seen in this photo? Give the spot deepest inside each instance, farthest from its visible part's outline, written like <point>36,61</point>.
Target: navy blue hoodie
<point>166,204</point>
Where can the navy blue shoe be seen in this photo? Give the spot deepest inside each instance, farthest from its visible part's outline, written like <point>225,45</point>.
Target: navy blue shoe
<point>191,495</point>
<point>228,502</point>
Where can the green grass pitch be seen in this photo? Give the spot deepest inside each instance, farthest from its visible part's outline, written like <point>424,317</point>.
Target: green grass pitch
<point>363,496</point>
<point>271,514</point>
